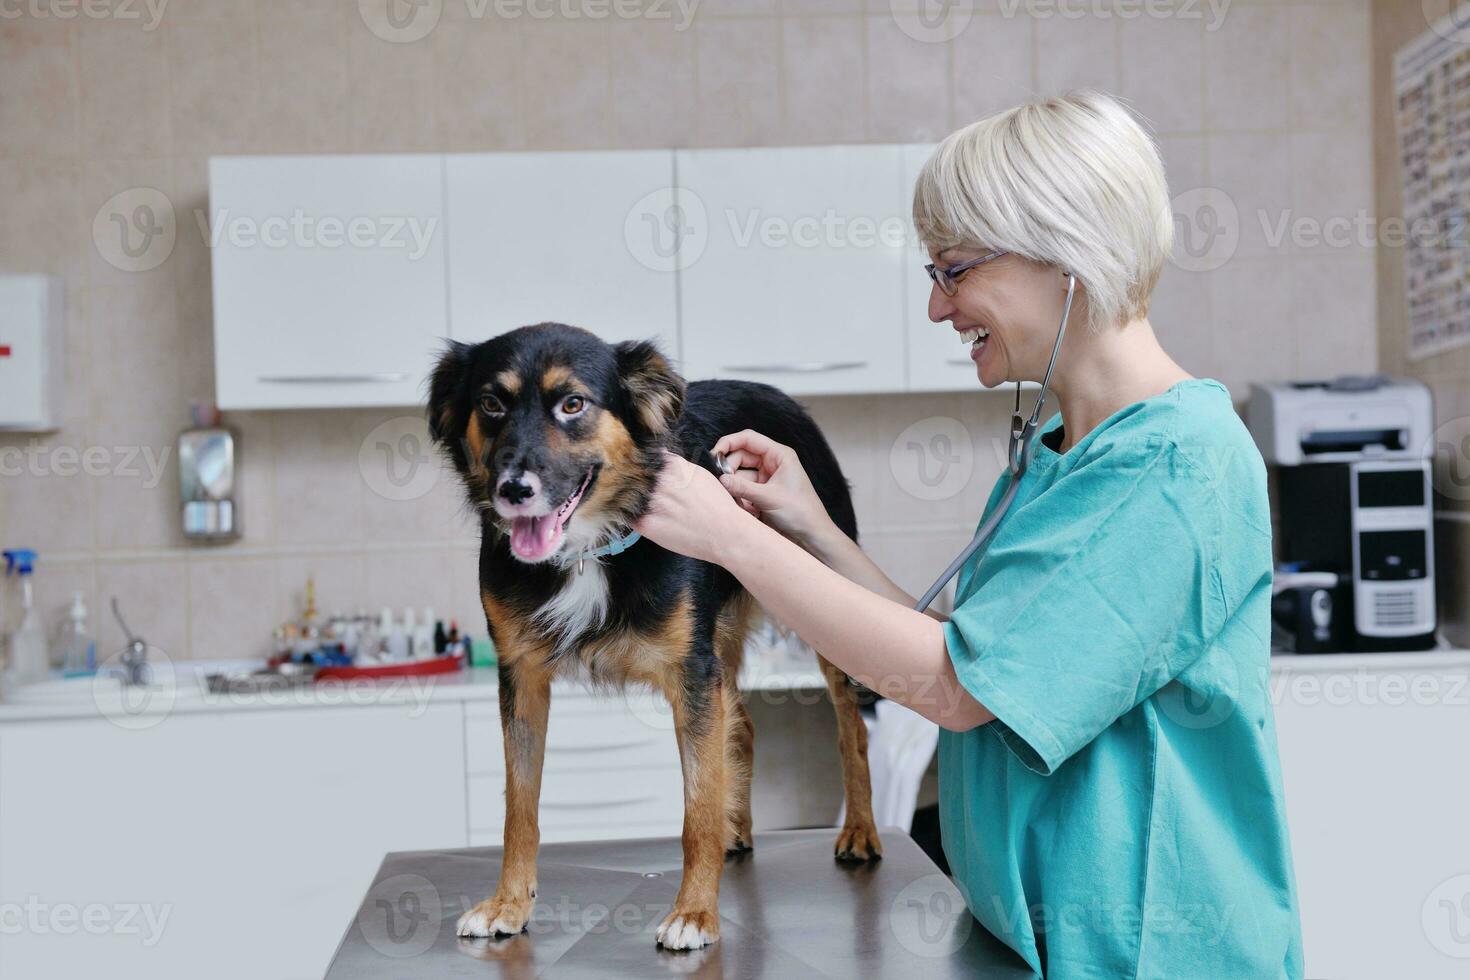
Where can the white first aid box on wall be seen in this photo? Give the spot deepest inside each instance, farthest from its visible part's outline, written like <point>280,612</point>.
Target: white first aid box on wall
<point>32,341</point>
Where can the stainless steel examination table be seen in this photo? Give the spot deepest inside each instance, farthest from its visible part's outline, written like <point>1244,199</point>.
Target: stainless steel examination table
<point>787,909</point>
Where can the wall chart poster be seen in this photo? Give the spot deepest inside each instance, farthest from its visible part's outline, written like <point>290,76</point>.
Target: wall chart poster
<point>1432,94</point>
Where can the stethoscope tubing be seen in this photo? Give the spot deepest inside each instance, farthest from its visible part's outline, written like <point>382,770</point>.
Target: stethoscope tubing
<point>1018,459</point>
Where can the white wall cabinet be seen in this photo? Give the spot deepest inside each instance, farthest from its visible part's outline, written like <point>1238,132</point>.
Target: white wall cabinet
<point>791,268</point>
<point>329,279</point>
<point>337,278</point>
<point>546,236</point>
<point>937,361</point>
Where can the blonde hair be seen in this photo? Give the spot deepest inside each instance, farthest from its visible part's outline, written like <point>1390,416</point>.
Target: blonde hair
<point>1072,181</point>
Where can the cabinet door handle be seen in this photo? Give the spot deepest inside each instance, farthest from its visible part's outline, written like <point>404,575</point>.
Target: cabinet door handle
<point>603,747</point>
<point>1004,385</point>
<point>960,361</point>
<point>595,804</point>
<point>804,367</point>
<point>333,379</point>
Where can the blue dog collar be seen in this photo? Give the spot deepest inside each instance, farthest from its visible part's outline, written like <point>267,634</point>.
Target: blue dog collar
<point>615,547</point>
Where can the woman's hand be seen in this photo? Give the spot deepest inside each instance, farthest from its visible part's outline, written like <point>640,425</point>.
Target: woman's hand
<point>690,512</point>
<point>778,491</point>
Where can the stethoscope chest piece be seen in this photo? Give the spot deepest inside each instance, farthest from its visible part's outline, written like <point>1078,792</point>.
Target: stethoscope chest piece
<point>1016,450</point>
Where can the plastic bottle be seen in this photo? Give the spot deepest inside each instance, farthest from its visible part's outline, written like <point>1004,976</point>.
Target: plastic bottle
<point>78,652</point>
<point>396,638</point>
<point>409,629</point>
<point>366,650</point>
<point>373,649</point>
<point>350,636</point>
<point>26,662</point>
<point>421,644</point>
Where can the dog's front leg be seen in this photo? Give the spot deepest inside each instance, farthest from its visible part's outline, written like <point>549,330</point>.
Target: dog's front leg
<point>525,698</point>
<point>699,721</point>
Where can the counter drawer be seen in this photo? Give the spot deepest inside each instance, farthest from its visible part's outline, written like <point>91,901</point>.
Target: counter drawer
<point>588,805</point>
<point>583,734</point>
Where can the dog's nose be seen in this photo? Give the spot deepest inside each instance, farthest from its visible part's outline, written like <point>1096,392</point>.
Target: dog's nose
<point>518,488</point>
<point>516,491</point>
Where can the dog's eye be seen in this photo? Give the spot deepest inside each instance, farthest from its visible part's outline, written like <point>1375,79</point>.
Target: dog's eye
<point>572,405</point>
<point>491,405</point>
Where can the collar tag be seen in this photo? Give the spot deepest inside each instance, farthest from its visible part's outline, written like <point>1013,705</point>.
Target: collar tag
<point>615,547</point>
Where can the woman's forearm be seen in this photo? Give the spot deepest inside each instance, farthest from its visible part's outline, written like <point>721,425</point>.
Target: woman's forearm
<point>874,638</point>
<point>846,557</point>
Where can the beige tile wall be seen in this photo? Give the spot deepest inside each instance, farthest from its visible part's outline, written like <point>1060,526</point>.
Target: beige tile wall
<point>1270,106</point>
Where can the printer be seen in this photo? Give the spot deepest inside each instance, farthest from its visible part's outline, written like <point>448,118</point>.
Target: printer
<point>1351,460</point>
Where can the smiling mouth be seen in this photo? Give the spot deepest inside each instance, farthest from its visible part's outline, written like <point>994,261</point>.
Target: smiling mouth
<point>537,538</point>
<point>976,338</point>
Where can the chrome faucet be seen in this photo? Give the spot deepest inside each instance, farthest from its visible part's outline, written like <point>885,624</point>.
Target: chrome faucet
<point>135,670</point>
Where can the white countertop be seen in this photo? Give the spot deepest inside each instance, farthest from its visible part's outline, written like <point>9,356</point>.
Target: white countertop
<point>1443,658</point>
<point>183,689</point>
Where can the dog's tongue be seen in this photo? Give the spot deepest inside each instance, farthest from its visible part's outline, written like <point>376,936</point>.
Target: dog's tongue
<point>532,538</point>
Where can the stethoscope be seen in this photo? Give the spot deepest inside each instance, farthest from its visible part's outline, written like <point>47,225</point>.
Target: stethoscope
<point>1018,458</point>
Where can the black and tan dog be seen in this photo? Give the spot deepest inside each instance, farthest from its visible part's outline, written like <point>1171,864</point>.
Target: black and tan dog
<point>558,437</point>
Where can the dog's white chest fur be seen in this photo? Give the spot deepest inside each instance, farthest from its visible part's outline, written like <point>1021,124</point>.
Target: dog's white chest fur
<point>580,605</point>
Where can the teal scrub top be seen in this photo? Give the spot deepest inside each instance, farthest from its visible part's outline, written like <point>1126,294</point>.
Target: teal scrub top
<point>1123,815</point>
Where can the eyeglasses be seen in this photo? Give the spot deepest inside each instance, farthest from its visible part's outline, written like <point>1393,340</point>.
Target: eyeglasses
<point>948,279</point>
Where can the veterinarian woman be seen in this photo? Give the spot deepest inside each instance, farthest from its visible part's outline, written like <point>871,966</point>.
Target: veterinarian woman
<point>1110,794</point>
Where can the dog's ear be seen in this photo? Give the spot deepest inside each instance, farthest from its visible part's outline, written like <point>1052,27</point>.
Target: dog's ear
<point>655,391</point>
<point>448,404</point>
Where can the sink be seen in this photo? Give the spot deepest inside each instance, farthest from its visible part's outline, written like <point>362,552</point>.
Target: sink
<point>170,682</point>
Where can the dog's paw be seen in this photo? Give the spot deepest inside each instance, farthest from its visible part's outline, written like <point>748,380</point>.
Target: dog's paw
<point>495,917</point>
<point>688,929</point>
<point>858,844</point>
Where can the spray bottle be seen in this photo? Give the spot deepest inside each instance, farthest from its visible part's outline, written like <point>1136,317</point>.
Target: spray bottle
<point>26,661</point>
<point>78,651</point>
